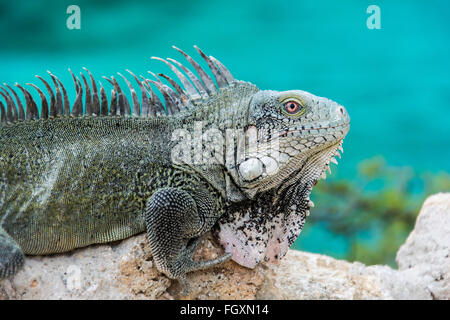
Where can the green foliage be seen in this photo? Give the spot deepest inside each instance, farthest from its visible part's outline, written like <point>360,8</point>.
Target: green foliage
<point>377,210</point>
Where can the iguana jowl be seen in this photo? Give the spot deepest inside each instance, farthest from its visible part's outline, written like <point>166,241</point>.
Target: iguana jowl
<point>100,171</point>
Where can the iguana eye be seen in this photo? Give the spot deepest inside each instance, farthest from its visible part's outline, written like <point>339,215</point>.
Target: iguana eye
<point>292,107</point>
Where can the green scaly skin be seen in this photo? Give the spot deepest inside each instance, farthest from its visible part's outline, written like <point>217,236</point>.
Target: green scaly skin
<point>68,181</point>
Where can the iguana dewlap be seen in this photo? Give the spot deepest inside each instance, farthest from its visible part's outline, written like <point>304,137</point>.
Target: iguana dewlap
<point>219,154</point>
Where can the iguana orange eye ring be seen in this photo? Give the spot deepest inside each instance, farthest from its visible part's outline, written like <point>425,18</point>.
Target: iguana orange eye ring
<point>292,107</point>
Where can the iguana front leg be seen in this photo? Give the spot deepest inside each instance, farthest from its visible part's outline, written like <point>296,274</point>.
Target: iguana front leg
<point>175,220</point>
<point>11,256</point>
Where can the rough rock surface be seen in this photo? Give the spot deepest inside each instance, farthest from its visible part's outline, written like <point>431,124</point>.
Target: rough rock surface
<point>425,256</point>
<point>125,270</point>
<point>309,276</point>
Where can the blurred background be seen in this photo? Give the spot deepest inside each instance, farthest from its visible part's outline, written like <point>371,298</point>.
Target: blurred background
<point>394,82</point>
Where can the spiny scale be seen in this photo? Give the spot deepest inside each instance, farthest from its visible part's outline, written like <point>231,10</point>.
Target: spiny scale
<point>176,99</point>
<point>323,174</point>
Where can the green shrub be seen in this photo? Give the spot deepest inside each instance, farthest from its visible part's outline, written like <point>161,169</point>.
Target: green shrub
<point>377,210</point>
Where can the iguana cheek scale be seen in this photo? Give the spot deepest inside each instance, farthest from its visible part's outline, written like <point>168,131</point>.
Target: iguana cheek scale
<point>101,169</point>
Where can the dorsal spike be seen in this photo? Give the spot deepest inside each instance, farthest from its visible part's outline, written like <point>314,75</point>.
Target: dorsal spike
<point>220,78</point>
<point>124,105</point>
<point>9,116</point>
<point>87,97</point>
<point>159,107</point>
<point>155,76</point>
<point>151,112</point>
<point>136,105</point>
<point>44,103</point>
<point>170,97</point>
<point>104,101</point>
<point>152,105</point>
<point>21,115</point>
<point>171,105</point>
<point>156,106</point>
<point>74,80</point>
<point>182,94</point>
<point>153,109</point>
<point>168,89</point>
<point>209,83</point>
<point>197,83</point>
<point>66,107</point>
<point>11,111</point>
<point>77,108</point>
<point>2,113</point>
<point>174,84</point>
<point>52,96</point>
<point>32,111</point>
<point>113,107</point>
<point>59,102</point>
<point>95,100</point>
<point>145,100</point>
<point>190,89</point>
<point>114,110</point>
<point>224,70</point>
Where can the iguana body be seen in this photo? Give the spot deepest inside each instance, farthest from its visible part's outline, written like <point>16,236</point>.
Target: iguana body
<point>70,180</point>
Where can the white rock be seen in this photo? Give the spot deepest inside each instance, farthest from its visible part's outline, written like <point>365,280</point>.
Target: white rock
<point>424,259</point>
<point>302,275</point>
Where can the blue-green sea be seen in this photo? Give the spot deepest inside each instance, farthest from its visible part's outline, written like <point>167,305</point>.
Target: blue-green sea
<point>394,81</point>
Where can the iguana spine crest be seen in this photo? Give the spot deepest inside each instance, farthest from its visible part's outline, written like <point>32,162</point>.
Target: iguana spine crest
<point>174,100</point>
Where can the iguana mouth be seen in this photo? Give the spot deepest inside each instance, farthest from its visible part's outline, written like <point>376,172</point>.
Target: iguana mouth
<point>333,150</point>
<point>285,133</point>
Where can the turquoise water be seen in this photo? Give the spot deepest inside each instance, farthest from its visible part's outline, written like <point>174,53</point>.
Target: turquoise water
<point>394,82</point>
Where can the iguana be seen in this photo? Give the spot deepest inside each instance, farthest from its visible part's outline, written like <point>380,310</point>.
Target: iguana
<point>201,154</point>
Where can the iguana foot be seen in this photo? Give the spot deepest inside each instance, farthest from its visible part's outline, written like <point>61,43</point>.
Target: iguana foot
<point>11,256</point>
<point>173,218</point>
<point>200,265</point>
<point>190,265</point>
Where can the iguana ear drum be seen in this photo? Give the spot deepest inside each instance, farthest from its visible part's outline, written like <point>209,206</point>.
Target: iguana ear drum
<point>251,169</point>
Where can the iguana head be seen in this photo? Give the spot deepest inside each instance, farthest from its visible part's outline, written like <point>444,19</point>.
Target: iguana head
<point>293,137</point>
<point>286,131</point>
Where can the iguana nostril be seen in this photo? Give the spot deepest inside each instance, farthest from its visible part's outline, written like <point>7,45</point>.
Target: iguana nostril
<point>342,110</point>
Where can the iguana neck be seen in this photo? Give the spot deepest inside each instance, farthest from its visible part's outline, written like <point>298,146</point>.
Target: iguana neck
<point>214,129</point>
<point>226,110</point>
